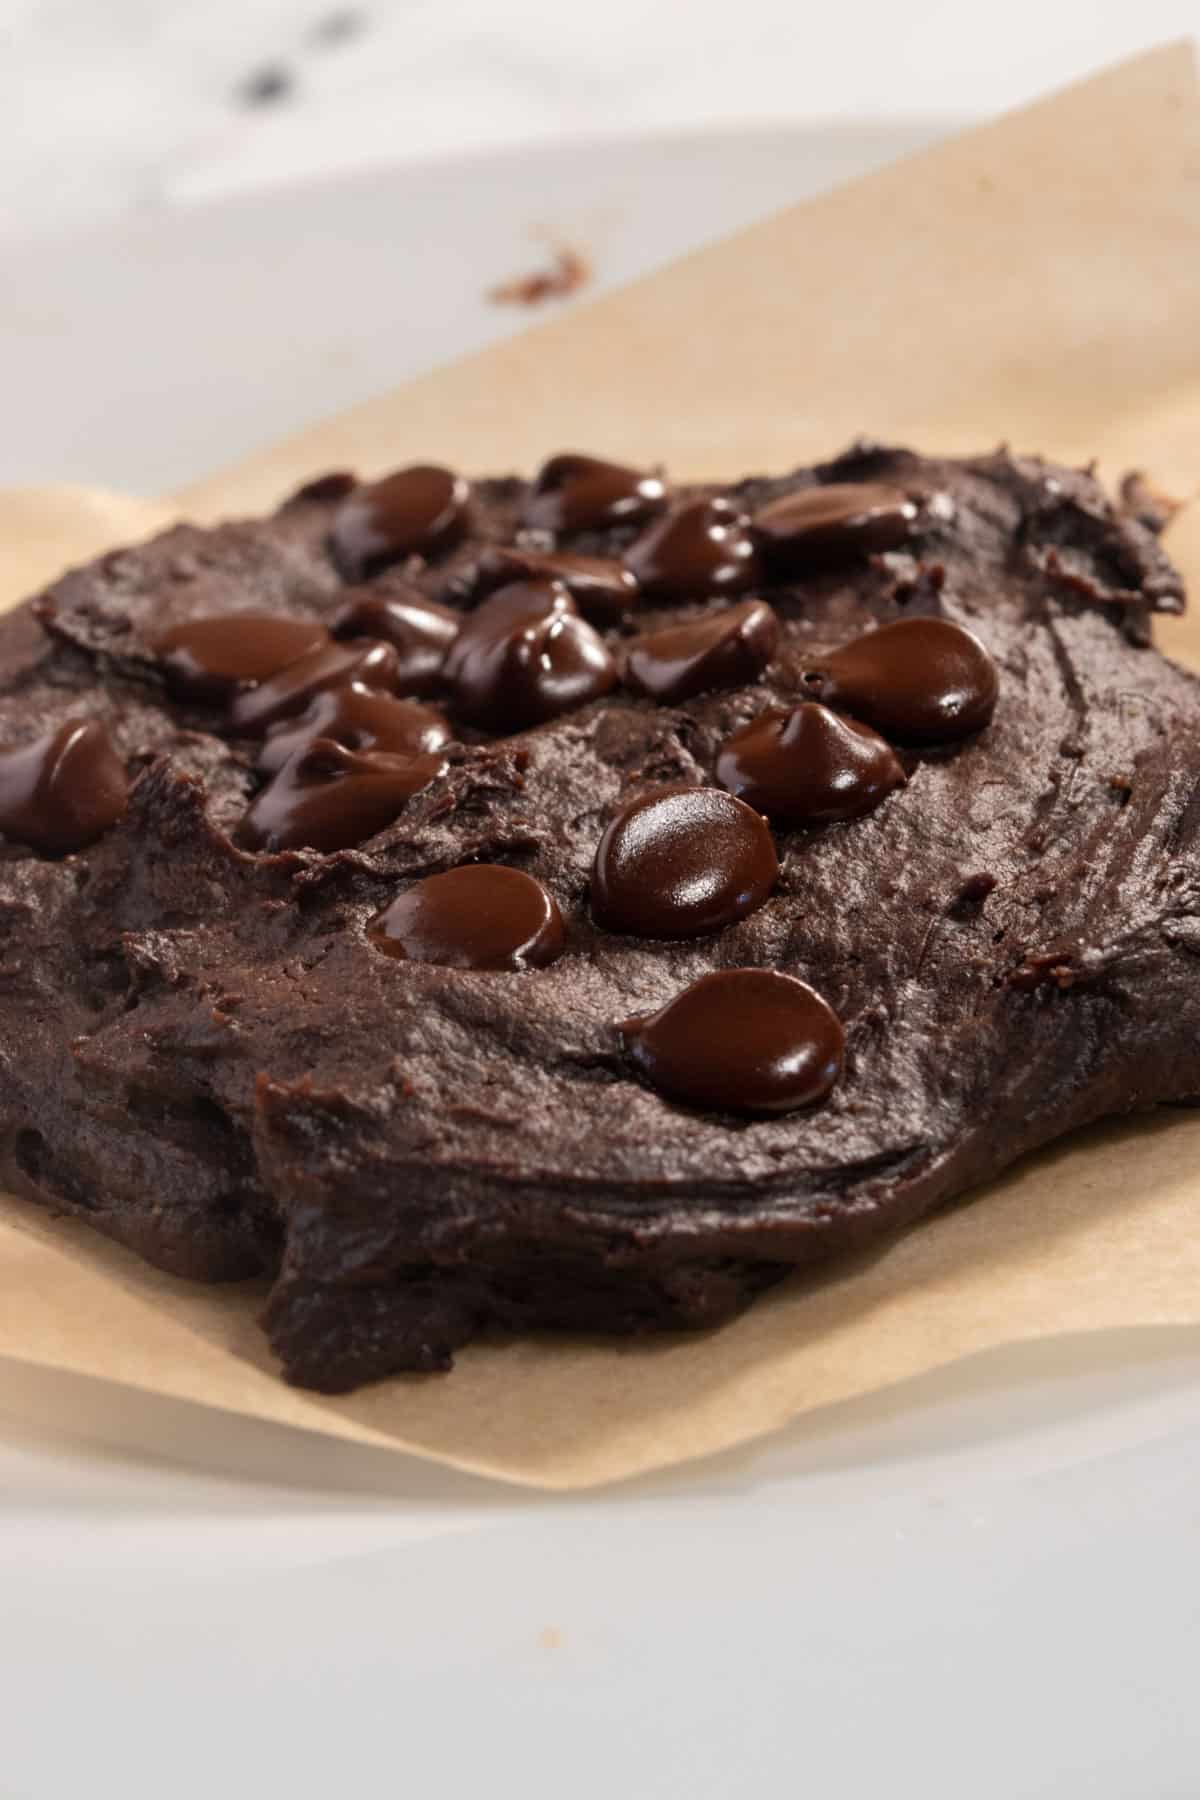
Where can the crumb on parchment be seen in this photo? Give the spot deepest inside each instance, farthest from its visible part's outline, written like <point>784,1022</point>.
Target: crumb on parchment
<point>566,272</point>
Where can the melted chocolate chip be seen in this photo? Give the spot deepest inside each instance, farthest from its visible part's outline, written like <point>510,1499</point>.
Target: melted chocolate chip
<point>808,765</point>
<point>375,665</point>
<point>922,681</point>
<point>722,649</point>
<point>603,590</point>
<point>701,547</point>
<point>525,656</point>
<point>322,490</point>
<point>359,718</point>
<point>479,916</point>
<point>822,525</point>
<point>64,790</point>
<point>581,493</point>
<point>682,861</point>
<point>415,512</point>
<point>329,798</point>
<point>210,658</point>
<point>419,630</point>
<point>741,1040</point>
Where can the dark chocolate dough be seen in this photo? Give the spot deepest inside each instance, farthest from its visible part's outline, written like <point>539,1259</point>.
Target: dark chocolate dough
<point>204,1052</point>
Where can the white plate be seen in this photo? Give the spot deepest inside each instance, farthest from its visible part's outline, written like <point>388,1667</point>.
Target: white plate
<point>147,357</point>
<point>984,1582</point>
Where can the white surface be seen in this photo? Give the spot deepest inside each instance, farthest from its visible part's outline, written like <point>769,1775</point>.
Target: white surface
<point>211,331</point>
<point>983,1583</point>
<point>113,106</point>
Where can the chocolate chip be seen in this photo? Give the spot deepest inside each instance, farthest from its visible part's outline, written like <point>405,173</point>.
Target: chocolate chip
<point>921,681</point>
<point>525,656</point>
<point>64,790</point>
<point>740,1040</point>
<point>582,493</point>
<point>479,916</point>
<point>359,718</point>
<point>329,798</point>
<point>820,525</point>
<point>701,547</point>
<point>210,658</point>
<point>808,765</point>
<point>722,649</point>
<point>681,861</point>
<point>324,489</point>
<point>288,692</point>
<point>419,511</point>
<point>420,631</point>
<point>602,589</point>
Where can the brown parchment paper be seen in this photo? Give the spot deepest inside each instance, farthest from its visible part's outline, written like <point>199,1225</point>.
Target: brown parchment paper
<point>1036,280</point>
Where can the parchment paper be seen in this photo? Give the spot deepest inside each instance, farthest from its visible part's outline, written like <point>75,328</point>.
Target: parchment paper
<point>1037,280</point>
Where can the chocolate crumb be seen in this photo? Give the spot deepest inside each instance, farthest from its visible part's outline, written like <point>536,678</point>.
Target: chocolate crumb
<point>971,895</point>
<point>568,271</point>
<point>267,86</point>
<point>1146,503</point>
<point>338,27</point>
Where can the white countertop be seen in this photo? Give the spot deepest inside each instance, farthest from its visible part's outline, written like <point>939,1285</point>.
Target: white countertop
<point>109,107</point>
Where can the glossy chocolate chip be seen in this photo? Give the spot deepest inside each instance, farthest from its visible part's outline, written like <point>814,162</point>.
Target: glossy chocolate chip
<point>64,790</point>
<point>419,630</point>
<point>210,658</point>
<point>359,718</point>
<point>330,798</point>
<point>821,525</point>
<point>375,665</point>
<point>741,1040</point>
<point>602,589</point>
<point>323,490</point>
<point>809,766</point>
<point>582,493</point>
<point>723,649</point>
<point>701,547</point>
<point>525,656</point>
<point>479,916</point>
<point>920,681</point>
<point>681,861</point>
<point>419,511</point>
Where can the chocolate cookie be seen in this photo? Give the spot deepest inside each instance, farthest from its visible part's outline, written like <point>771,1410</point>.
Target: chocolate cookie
<point>579,902</point>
